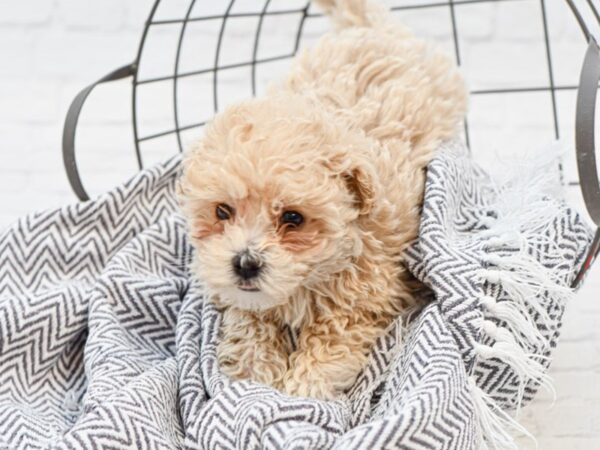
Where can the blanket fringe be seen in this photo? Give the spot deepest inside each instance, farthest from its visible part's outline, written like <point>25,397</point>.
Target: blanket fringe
<point>526,208</point>
<point>496,427</point>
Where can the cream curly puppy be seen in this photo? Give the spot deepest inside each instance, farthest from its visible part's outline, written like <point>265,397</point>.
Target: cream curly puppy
<point>300,204</point>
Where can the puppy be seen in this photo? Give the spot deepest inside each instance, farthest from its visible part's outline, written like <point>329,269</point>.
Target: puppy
<point>301,203</point>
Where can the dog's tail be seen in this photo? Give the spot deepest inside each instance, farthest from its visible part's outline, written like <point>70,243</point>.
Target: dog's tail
<point>354,13</point>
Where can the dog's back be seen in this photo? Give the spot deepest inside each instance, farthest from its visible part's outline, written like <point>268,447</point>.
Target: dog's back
<point>376,75</point>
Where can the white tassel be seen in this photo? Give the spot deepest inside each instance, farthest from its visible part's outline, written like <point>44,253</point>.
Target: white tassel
<point>529,270</point>
<point>510,240</point>
<point>494,424</point>
<point>530,197</point>
<point>517,320</point>
<point>525,365</point>
<point>518,291</point>
<point>529,200</point>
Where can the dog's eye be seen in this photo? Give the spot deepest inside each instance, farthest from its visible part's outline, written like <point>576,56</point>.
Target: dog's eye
<point>223,211</point>
<point>292,218</point>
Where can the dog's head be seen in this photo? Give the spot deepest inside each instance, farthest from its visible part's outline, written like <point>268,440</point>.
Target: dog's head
<point>273,195</point>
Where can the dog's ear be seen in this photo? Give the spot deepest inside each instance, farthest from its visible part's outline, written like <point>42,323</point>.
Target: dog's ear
<point>360,183</point>
<point>358,174</point>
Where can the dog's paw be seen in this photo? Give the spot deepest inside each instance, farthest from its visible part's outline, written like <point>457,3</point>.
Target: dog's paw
<point>258,364</point>
<point>318,389</point>
<point>233,368</point>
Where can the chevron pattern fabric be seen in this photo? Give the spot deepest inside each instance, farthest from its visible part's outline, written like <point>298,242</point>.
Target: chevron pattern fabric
<point>107,342</point>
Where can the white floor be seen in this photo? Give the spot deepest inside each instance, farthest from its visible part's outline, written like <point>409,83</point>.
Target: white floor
<point>573,421</point>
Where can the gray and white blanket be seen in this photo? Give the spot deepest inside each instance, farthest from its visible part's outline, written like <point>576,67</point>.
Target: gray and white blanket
<point>106,341</point>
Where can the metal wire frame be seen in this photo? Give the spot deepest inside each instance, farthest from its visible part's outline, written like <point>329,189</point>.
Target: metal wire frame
<point>552,88</point>
<point>304,16</point>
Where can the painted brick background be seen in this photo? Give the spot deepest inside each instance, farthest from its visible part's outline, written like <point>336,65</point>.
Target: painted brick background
<point>51,49</point>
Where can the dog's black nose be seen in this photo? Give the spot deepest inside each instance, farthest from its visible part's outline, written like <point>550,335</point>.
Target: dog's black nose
<point>246,265</point>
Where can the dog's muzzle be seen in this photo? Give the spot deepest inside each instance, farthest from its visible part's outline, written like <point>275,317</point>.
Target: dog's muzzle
<point>246,265</point>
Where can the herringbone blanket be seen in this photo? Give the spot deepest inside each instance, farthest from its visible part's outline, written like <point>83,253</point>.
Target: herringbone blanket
<point>106,341</point>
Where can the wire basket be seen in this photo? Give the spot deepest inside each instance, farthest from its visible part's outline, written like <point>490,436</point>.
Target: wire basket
<point>195,57</point>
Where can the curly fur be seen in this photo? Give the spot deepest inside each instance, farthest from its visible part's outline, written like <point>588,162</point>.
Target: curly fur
<point>344,140</point>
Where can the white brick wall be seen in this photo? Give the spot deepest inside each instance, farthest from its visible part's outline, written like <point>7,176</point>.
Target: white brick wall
<point>50,49</point>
